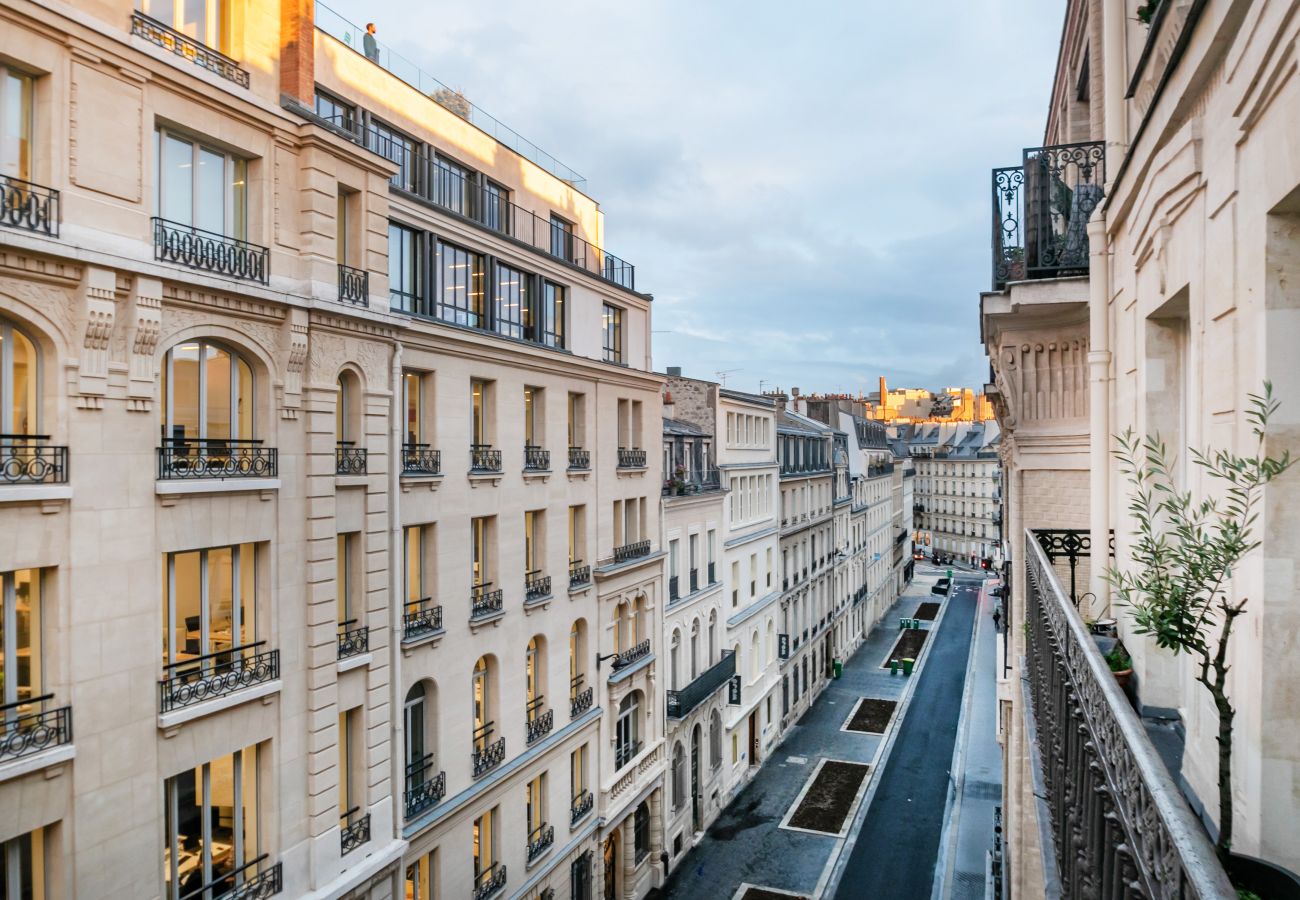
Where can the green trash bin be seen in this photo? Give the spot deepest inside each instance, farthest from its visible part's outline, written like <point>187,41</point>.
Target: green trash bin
<point>907,665</point>
<point>893,667</point>
<point>839,668</point>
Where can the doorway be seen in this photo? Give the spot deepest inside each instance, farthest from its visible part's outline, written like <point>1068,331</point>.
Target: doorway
<point>753,738</point>
<point>697,813</point>
<point>610,891</point>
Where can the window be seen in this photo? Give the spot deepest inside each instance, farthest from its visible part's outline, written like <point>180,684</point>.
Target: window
<point>535,805</point>
<point>337,112</point>
<point>480,411</point>
<point>200,186</point>
<point>397,147</point>
<point>481,694</point>
<point>455,186</point>
<point>463,275</point>
<point>510,301</point>
<point>16,123</point>
<point>22,867</point>
<point>561,238</point>
<point>345,575</point>
<point>413,402</point>
<point>577,534</point>
<point>534,678</point>
<point>405,269</point>
<point>578,772</point>
<point>552,315</point>
<point>416,721</point>
<point>209,603</point>
<point>534,416</point>
<point>422,878</point>
<point>495,213</point>
<point>211,826</point>
<point>641,831</point>
<point>207,21</point>
<point>612,322</point>
<point>20,636</point>
<point>19,383</point>
<point>674,660</point>
<point>627,730</point>
<point>351,778</point>
<point>480,557</point>
<point>413,544</point>
<point>577,657</point>
<point>715,739</point>
<point>679,776</point>
<point>577,420</point>
<point>207,394</point>
<point>735,583</point>
<point>485,846</point>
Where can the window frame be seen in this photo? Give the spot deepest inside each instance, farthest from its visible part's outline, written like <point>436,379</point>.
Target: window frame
<point>235,206</point>
<point>612,328</point>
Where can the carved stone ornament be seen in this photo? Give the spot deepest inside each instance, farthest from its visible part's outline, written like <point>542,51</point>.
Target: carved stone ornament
<point>99,290</point>
<point>296,344</point>
<point>145,316</point>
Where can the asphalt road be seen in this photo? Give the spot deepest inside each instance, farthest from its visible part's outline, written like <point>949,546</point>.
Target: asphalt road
<point>897,848</point>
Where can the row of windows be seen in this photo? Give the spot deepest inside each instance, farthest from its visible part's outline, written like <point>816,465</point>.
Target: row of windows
<point>750,499</point>
<point>744,430</point>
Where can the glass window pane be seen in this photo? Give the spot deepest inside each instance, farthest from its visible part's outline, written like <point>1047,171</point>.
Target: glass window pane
<point>16,126</point>
<point>19,382</point>
<point>210,213</point>
<point>217,392</point>
<point>220,600</point>
<point>221,815</point>
<point>244,399</point>
<point>187,606</point>
<point>238,199</point>
<point>247,595</point>
<point>176,180</point>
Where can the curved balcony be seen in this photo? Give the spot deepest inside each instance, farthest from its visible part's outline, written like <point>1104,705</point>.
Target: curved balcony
<point>484,601</point>
<point>198,458</point>
<point>216,675</point>
<point>207,251</point>
<point>32,726</point>
<point>32,459</point>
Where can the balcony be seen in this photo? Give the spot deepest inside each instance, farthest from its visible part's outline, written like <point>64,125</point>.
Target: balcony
<point>32,459</point>
<point>28,206</point>
<point>539,726</point>
<point>581,805</point>
<point>673,592</point>
<point>207,251</point>
<point>32,726</point>
<point>695,580</point>
<point>490,881</point>
<point>536,586</point>
<point>215,675</point>
<point>680,703</point>
<point>701,481</point>
<point>418,459</point>
<point>201,55</point>
<point>536,459</point>
<point>254,880</point>
<point>580,702</point>
<point>626,657</point>
<point>631,458</point>
<point>713,578</point>
<point>186,459</point>
<point>624,753</point>
<point>579,458</point>
<point>540,840</point>
<point>487,753</point>
<point>353,641</point>
<point>579,574</point>
<point>482,458</point>
<point>355,833</point>
<point>1041,210</point>
<point>420,618</point>
<point>629,552</point>
<point>804,468</point>
<point>879,469</point>
<point>424,787</point>
<point>354,286</point>
<point>349,459</point>
<point>484,601</point>
<point>1135,824</point>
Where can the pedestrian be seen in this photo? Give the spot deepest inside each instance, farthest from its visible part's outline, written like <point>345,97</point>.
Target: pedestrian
<point>369,42</point>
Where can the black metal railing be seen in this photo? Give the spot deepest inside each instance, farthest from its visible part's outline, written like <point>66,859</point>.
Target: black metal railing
<point>804,468</point>
<point>484,601</point>
<point>673,592</point>
<point>1118,819</point>
<point>631,654</point>
<point>580,702</point>
<point>353,833</point>
<point>29,206</point>
<point>1072,545</point>
<point>680,703</point>
<point>30,726</point>
<point>699,481</point>
<point>194,458</point>
<point>354,286</point>
<point>631,551</point>
<point>582,804</point>
<point>349,459</point>
<point>878,469</point>
<point>207,251</point>
<point>536,586</point>
<point>482,458</point>
<point>420,617</point>
<point>487,754</point>
<point>579,458</point>
<point>625,752</point>
<point>631,458</point>
<point>536,459</point>
<point>32,459</point>
<point>201,55</point>
<point>353,641</point>
<point>488,882</point>
<point>579,574</point>
<point>539,726</point>
<point>695,580</point>
<point>214,675</point>
<point>713,577</point>
<point>237,884</point>
<point>540,840</point>
<point>1041,210</point>
<point>424,786</point>
<point>419,459</point>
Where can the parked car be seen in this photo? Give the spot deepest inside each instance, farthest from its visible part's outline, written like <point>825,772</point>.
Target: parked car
<point>919,554</point>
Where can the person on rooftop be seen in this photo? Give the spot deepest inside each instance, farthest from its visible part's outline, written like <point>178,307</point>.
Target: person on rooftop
<point>370,44</point>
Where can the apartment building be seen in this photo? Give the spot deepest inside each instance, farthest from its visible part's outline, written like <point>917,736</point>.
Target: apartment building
<point>1143,277</point>
<point>331,495</point>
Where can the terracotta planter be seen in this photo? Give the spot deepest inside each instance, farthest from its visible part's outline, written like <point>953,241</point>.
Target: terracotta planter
<point>1122,678</point>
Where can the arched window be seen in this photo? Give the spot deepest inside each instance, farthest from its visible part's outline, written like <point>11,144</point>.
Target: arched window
<point>577,662</point>
<point>771,641</point>
<point>641,831</point>
<point>674,661</point>
<point>755,659</point>
<point>679,775</point>
<point>621,615</point>
<point>425,786</point>
<point>695,648</point>
<point>481,693</point>
<point>207,394</point>
<point>535,678</point>
<point>627,731</point>
<point>713,636</point>
<point>19,383</point>
<point>715,739</point>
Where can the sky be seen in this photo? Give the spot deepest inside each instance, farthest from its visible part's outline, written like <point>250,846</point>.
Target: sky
<point>803,187</point>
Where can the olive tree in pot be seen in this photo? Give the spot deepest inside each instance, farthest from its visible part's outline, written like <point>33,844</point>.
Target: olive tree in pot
<point>1183,558</point>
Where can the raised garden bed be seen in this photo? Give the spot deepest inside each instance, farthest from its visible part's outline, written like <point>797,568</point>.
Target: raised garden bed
<point>872,715</point>
<point>908,645</point>
<point>827,802</point>
<point>927,610</point>
<point>758,893</point>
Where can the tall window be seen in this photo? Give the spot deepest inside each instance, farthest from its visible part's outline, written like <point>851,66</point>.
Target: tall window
<point>418,581</point>
<point>207,394</point>
<point>679,775</point>
<point>480,691</point>
<point>561,238</point>
<point>578,772</point>
<point>20,636</point>
<point>577,655</point>
<point>413,403</point>
<point>577,533</point>
<point>463,276</point>
<point>480,398</point>
<point>495,212</point>
<point>209,603</point>
<point>641,831</point>
<point>350,777</point>
<point>612,323</point>
<point>416,721</point>
<point>480,560</point>
<point>405,269</point>
<point>577,419</point>
<point>552,316</point>
<point>627,730</point>
<point>207,21</point>
<point>346,575</point>
<point>510,299</point>
<point>535,804</point>
<point>715,739</point>
<point>335,111</point>
<point>16,122</point>
<point>534,552</point>
<point>454,187</point>
<point>200,186</point>
<point>211,825</point>
<point>396,147</point>
<point>22,867</point>
<point>485,846</point>
<point>534,416</point>
<point>19,382</point>
<point>534,699</point>
<point>422,878</point>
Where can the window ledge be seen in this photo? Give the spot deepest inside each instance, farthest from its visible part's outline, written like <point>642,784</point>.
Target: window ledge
<point>171,722</point>
<point>578,474</point>
<point>542,475</point>
<point>354,662</point>
<point>168,488</point>
<point>431,637</point>
<point>351,480</point>
<point>477,478</point>
<point>538,603</point>
<point>409,481</point>
<point>540,858</point>
<point>578,589</point>
<point>628,671</point>
<point>631,472</point>
<point>482,621</point>
<point>36,493</point>
<point>36,761</point>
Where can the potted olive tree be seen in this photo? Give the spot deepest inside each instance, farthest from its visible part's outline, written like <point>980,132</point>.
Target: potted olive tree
<point>1178,588</point>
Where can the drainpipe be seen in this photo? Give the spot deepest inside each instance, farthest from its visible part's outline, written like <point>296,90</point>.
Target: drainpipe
<point>396,606</point>
<point>1114,86</point>
<point>1099,413</point>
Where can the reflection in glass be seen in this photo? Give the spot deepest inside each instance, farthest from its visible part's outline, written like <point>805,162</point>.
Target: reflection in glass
<point>18,382</point>
<point>211,822</point>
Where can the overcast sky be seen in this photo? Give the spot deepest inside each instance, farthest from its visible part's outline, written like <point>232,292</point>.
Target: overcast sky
<point>803,187</point>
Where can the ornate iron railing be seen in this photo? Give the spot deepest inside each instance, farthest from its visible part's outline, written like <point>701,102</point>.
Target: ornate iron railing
<point>536,459</point>
<point>536,586</point>
<point>697,482</point>
<point>418,459</point>
<point>581,805</point>
<point>537,728</point>
<point>482,458</point>
<point>31,459</point>
<point>631,458</point>
<point>354,286</point>
<point>632,654</point>
<point>1041,210</point>
<point>28,206</point>
<point>201,55</point>
<point>579,574</point>
<point>487,755</point>
<point>579,458</point>
<point>29,726</point>
<point>488,882</point>
<point>208,251</point>
<point>349,459</point>
<point>420,618</point>
<point>1120,826</point>
<point>581,702</point>
<point>484,601</point>
<point>424,787</point>
<point>1071,544</point>
<point>353,641</point>
<point>216,675</point>
<point>236,885</point>
<point>680,703</point>
<point>354,834</point>
<point>539,840</point>
<point>631,551</point>
<point>191,458</point>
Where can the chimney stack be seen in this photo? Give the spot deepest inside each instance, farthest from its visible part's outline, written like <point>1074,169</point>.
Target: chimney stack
<point>674,371</point>
<point>883,392</point>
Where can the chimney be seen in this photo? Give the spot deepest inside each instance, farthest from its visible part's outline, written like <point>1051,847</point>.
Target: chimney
<point>669,407</point>
<point>298,51</point>
<point>674,371</point>
<point>883,391</point>
<point>794,392</point>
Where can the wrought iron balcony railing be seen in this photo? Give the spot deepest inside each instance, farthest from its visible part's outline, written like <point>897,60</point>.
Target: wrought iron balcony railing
<point>540,726</point>
<point>536,586</point>
<point>354,286</point>
<point>490,881</point>
<point>419,459</point>
<point>580,702</point>
<point>579,458</point>
<point>487,754</point>
<point>28,206</point>
<point>30,726</point>
<point>254,880</point>
<point>484,601</point>
<point>216,675</point>
<point>536,459</point>
<point>631,458</point>
<point>581,805</point>
<point>193,458</point>
<point>424,787</point>
<point>349,459</point>
<point>634,550</point>
<point>1072,545</point>
<point>353,641</point>
<point>1119,822</point>
<point>420,617</point>
<point>201,55</point>
<point>354,832</point>
<point>1041,210</point>
<point>674,593</point>
<point>680,703</point>
<point>482,458</point>
<point>32,459</point>
<point>579,574</point>
<point>631,655</point>
<point>207,251</point>
<point>700,481</point>
<point>540,840</point>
